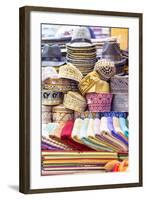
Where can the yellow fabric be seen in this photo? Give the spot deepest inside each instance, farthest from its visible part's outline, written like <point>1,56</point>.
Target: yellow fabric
<point>76,130</point>
<point>100,87</point>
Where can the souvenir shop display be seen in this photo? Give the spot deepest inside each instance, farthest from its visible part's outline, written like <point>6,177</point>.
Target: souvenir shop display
<point>88,107</point>
<point>79,100</point>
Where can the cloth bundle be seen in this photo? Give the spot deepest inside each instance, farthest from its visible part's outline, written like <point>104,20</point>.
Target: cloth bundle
<point>105,137</point>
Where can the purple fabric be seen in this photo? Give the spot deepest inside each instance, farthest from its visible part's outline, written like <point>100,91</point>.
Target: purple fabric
<point>48,146</point>
<point>114,133</point>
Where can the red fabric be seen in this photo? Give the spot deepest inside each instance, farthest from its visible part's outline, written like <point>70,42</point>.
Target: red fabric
<point>116,167</point>
<point>66,137</point>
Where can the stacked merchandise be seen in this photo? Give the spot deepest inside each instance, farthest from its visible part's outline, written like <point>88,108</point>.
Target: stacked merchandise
<point>86,143</point>
<point>84,119</point>
<point>81,52</point>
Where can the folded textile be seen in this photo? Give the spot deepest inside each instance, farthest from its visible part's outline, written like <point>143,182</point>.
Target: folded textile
<point>114,133</point>
<point>124,126</point>
<point>106,133</point>
<point>66,136</point>
<point>86,141</point>
<point>91,135</point>
<point>116,124</point>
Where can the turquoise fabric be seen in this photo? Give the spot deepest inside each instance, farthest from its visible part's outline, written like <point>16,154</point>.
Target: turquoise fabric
<point>124,126</point>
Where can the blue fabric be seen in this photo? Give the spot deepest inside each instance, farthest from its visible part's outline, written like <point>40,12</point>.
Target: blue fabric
<point>114,114</point>
<point>123,126</point>
<point>114,133</point>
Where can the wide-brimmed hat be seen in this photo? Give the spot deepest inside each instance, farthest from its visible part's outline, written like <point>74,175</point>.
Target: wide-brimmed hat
<point>51,56</point>
<point>111,51</point>
<point>81,37</point>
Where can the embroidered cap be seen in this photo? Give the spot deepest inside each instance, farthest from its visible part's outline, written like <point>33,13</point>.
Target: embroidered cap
<point>74,101</point>
<point>99,102</point>
<point>51,98</point>
<point>105,68</point>
<point>69,71</point>
<point>92,83</point>
<point>119,84</point>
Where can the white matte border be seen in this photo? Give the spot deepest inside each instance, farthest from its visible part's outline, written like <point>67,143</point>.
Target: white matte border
<point>132,176</point>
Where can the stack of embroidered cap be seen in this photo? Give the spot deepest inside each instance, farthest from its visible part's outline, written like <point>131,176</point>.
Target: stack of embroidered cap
<point>52,87</point>
<point>80,51</point>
